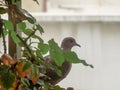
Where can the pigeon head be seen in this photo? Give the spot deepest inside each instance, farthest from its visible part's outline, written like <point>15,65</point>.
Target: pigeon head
<point>68,43</point>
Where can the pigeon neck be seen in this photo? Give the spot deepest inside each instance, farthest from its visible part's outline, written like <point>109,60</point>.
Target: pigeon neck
<point>66,49</point>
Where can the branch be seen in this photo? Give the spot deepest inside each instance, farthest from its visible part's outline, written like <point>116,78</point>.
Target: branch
<point>26,46</point>
<point>1,25</point>
<point>30,35</point>
<point>29,50</point>
<point>4,42</point>
<point>2,33</point>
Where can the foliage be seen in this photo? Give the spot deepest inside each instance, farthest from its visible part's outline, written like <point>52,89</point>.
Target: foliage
<point>24,73</point>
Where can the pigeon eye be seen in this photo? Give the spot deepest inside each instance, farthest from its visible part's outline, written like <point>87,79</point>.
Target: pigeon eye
<point>71,41</point>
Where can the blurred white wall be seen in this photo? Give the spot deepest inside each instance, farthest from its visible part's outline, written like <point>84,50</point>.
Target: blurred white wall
<point>86,3</point>
<point>31,6</point>
<point>76,6</point>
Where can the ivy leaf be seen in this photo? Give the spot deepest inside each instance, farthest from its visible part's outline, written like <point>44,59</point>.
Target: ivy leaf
<point>73,58</point>
<point>35,74</point>
<point>8,25</point>
<point>43,48</point>
<point>2,10</point>
<point>56,53</point>
<point>23,68</point>
<point>8,80</point>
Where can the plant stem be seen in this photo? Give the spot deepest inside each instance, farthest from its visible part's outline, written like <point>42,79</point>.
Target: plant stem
<point>26,46</point>
<point>4,42</point>
<point>30,35</point>
<point>3,36</point>
<point>1,25</point>
<point>11,17</point>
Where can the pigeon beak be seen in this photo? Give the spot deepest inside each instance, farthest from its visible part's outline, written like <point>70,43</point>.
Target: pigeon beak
<point>77,45</point>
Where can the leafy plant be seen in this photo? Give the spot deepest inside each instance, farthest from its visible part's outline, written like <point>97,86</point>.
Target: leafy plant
<point>23,73</point>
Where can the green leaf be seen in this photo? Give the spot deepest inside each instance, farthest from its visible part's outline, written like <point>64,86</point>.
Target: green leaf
<point>46,86</point>
<point>59,73</point>
<point>15,38</point>
<point>73,58</point>
<point>35,88</point>
<point>38,53</point>
<point>56,53</point>
<point>2,10</point>
<point>43,48</point>
<point>27,31</point>
<point>22,25</point>
<point>7,80</point>
<point>3,69</point>
<point>8,25</point>
<point>5,32</point>
<point>13,1</point>
<point>30,18</point>
<point>55,68</point>
<point>57,57</point>
<point>36,1</point>
<point>25,82</point>
<point>57,87</point>
<point>23,68</point>
<point>86,64</point>
<point>37,37</point>
<point>39,28</point>
<point>19,3</point>
<point>40,82</point>
<point>35,74</point>
<point>53,45</point>
<point>26,66</point>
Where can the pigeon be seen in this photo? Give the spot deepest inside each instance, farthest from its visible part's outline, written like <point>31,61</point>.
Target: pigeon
<point>65,68</point>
